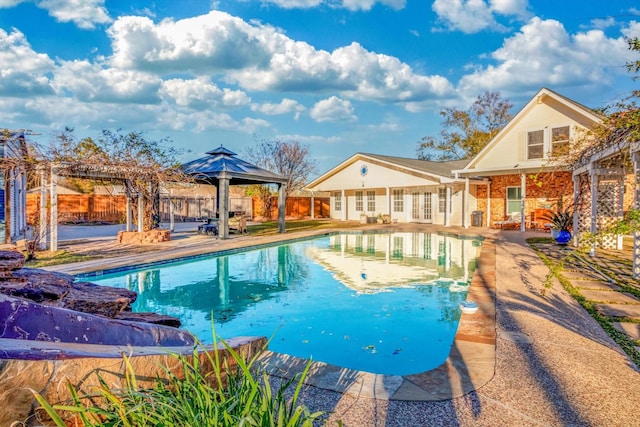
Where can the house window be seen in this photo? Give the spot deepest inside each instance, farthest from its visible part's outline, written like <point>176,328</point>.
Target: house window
<point>514,199</point>
<point>371,201</point>
<point>442,199</point>
<point>559,139</point>
<point>359,205</point>
<point>398,200</point>
<point>535,144</point>
<point>337,201</point>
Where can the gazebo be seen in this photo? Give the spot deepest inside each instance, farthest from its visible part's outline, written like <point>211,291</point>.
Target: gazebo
<point>221,168</point>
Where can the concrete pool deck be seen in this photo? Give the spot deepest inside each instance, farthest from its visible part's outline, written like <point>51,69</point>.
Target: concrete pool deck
<point>554,365</point>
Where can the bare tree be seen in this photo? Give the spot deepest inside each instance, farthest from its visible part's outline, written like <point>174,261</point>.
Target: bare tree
<point>289,159</point>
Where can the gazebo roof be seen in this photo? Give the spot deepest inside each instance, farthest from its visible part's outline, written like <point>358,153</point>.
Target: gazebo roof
<point>222,162</point>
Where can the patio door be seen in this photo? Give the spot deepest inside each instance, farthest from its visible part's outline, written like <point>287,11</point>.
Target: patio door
<point>514,199</point>
<point>427,208</point>
<point>415,205</point>
<point>421,211</point>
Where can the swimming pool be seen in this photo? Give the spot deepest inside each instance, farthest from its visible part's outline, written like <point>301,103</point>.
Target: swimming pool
<point>382,303</point>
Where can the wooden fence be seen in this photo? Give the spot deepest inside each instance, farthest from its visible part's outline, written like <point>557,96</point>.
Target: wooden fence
<point>87,208</point>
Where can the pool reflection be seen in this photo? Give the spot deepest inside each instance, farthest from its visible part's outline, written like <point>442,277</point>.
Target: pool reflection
<point>375,302</point>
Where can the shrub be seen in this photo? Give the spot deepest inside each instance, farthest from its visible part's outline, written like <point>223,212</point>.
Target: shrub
<point>226,395</point>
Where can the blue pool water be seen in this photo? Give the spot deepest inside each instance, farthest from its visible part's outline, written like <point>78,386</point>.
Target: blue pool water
<point>382,303</point>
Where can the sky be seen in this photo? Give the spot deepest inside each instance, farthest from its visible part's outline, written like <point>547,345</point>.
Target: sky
<point>338,76</point>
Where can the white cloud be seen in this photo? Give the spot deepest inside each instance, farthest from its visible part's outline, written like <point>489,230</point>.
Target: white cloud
<point>260,57</point>
<point>205,44</point>
<point>368,4</point>
<point>84,13</point>
<point>472,16</point>
<point>345,4</point>
<point>201,93</point>
<point>23,72</point>
<point>543,53</point>
<point>332,109</point>
<point>283,107</point>
<point>90,82</point>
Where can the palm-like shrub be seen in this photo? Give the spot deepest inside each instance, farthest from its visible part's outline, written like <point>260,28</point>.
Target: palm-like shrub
<point>226,395</point>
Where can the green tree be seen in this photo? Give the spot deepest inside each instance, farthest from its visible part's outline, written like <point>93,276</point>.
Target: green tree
<point>465,132</point>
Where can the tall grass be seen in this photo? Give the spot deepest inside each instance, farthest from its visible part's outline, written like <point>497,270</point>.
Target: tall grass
<point>224,394</point>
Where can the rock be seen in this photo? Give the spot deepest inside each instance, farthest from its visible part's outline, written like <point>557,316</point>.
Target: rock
<point>9,261</point>
<point>60,290</point>
<point>91,298</point>
<point>37,285</point>
<point>146,237</point>
<point>154,318</point>
<point>25,320</point>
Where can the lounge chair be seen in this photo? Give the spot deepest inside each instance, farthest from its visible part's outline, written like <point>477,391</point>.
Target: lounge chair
<point>512,220</point>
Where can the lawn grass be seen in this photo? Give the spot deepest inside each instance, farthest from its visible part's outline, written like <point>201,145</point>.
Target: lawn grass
<point>48,258</point>
<point>271,227</point>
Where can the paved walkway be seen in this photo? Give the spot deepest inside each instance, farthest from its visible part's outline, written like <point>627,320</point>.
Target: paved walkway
<point>554,364</point>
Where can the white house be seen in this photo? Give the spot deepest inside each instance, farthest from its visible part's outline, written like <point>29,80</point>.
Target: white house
<point>517,163</point>
<point>403,189</point>
<point>13,186</point>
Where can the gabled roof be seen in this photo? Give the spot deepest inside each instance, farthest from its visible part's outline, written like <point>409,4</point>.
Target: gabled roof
<point>442,168</point>
<point>539,97</point>
<point>438,171</point>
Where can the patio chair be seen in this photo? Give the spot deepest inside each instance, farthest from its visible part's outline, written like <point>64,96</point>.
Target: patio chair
<point>512,220</point>
<point>238,223</point>
<point>210,227</point>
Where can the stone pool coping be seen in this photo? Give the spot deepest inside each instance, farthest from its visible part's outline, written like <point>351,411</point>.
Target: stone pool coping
<point>470,365</point>
<point>471,362</point>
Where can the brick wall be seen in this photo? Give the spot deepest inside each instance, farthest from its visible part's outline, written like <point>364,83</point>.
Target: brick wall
<point>543,190</point>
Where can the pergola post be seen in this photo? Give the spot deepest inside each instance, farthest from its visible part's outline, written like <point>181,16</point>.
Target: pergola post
<point>282,206</point>
<point>53,192</point>
<point>172,220</point>
<point>593,227</point>
<point>140,212</point>
<point>43,208</point>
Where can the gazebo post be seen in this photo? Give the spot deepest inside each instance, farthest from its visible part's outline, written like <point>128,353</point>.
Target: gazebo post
<point>223,223</point>
<point>282,206</point>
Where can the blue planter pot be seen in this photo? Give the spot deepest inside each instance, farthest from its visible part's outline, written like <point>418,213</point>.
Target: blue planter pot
<point>563,237</point>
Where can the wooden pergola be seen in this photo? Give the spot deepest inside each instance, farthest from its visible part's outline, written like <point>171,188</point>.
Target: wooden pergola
<point>49,175</point>
<point>599,187</point>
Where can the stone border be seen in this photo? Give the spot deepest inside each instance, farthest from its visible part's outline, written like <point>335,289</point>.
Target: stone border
<point>80,364</point>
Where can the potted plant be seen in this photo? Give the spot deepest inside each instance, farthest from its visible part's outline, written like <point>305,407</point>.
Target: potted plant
<point>380,219</point>
<point>562,221</point>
